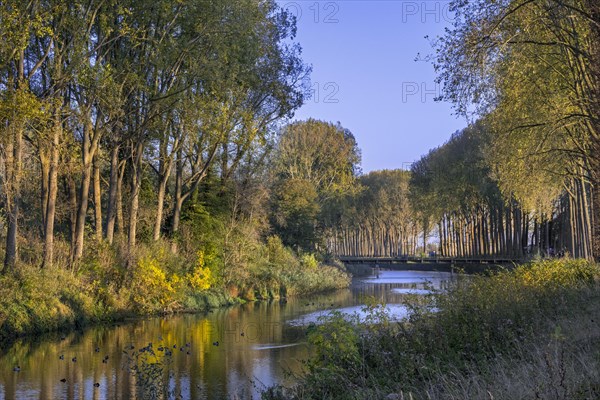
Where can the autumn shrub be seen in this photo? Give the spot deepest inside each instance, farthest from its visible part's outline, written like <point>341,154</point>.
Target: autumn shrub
<point>112,281</point>
<point>152,288</point>
<point>537,316</point>
<point>483,313</point>
<point>34,300</point>
<point>201,276</point>
<point>283,273</point>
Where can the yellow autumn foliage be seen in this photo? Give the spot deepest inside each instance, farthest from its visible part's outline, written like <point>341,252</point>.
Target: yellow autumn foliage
<point>201,276</point>
<point>153,285</point>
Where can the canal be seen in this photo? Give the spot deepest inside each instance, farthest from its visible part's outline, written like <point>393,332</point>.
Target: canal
<point>232,352</point>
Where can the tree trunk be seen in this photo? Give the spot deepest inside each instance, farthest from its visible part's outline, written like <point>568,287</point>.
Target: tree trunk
<point>178,203</point>
<point>13,203</point>
<point>14,151</point>
<point>111,208</point>
<point>162,189</point>
<point>50,208</point>
<point>72,190</point>
<point>97,199</point>
<point>89,146</point>
<point>120,218</point>
<point>45,172</point>
<point>136,177</point>
<point>82,206</point>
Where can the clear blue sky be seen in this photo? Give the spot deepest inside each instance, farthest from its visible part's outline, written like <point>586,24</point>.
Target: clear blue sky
<point>365,74</point>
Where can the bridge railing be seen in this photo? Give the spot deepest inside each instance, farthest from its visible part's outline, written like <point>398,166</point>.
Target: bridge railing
<point>436,259</point>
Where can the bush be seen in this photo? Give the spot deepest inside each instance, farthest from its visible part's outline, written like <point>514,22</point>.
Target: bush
<point>535,317</point>
<point>34,300</point>
<point>111,282</point>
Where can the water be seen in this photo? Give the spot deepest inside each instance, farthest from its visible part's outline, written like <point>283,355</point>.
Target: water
<point>257,344</point>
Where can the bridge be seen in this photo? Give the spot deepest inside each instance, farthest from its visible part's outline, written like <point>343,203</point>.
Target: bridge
<point>429,260</point>
<point>364,265</point>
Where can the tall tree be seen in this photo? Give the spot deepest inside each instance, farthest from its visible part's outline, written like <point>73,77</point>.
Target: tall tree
<point>320,157</point>
<point>528,66</point>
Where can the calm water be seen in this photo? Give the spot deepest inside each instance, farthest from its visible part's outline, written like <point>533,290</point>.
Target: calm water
<point>257,344</point>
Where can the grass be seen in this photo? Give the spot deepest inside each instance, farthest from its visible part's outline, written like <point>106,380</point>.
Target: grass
<point>528,333</point>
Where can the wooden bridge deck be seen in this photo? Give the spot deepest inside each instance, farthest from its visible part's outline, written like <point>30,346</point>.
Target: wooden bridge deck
<point>429,260</point>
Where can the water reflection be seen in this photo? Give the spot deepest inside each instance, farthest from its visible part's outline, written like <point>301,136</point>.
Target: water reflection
<point>257,343</point>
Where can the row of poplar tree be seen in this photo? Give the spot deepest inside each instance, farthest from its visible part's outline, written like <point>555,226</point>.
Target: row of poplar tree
<point>524,178</point>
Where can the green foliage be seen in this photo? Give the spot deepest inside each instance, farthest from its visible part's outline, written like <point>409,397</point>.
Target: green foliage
<point>309,261</point>
<point>521,66</point>
<point>278,255</point>
<point>336,341</point>
<point>315,165</point>
<point>296,209</point>
<point>322,153</point>
<point>508,316</point>
<point>34,301</point>
<point>201,277</point>
<point>454,178</point>
<point>285,274</point>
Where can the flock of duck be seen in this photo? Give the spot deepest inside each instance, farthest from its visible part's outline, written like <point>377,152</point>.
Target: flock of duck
<point>149,348</point>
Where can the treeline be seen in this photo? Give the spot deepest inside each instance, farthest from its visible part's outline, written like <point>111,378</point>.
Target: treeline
<point>453,202</point>
<point>114,114</point>
<point>529,71</point>
<point>143,156</point>
<point>455,186</point>
<point>377,220</point>
<point>523,179</point>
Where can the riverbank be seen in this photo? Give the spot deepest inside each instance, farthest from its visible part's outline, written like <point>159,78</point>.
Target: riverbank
<point>532,332</point>
<point>104,289</point>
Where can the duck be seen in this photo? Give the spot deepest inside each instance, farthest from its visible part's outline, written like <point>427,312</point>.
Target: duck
<point>61,357</point>
<point>63,380</point>
<point>17,368</point>
<point>97,384</point>
<point>74,359</point>
<point>216,343</point>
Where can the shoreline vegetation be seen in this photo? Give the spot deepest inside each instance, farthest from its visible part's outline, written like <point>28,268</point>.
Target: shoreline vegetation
<point>102,290</point>
<point>148,162</point>
<point>529,332</point>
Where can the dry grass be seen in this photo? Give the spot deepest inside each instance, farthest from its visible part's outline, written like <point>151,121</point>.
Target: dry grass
<point>530,333</point>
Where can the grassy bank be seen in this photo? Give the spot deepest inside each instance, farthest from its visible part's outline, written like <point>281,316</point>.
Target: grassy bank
<point>529,333</point>
<point>111,284</point>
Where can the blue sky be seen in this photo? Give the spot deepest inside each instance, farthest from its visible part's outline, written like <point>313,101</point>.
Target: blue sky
<point>365,74</point>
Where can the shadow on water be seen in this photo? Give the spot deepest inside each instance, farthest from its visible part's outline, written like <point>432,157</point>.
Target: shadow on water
<point>222,354</point>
